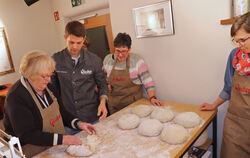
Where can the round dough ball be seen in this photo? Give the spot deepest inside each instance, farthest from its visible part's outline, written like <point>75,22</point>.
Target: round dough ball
<point>187,119</point>
<point>142,110</point>
<point>128,121</point>
<point>80,150</point>
<point>162,114</point>
<point>174,134</point>
<point>202,139</point>
<point>150,127</point>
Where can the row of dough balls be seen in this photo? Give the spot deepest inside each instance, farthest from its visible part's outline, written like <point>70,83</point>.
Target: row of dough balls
<point>172,134</point>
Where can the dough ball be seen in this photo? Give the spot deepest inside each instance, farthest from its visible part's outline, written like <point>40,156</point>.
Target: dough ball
<point>128,121</point>
<point>187,119</point>
<point>174,134</point>
<point>142,110</point>
<point>80,150</point>
<point>150,127</point>
<point>202,139</point>
<point>162,114</point>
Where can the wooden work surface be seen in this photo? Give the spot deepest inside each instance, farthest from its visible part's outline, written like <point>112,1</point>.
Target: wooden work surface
<point>127,143</point>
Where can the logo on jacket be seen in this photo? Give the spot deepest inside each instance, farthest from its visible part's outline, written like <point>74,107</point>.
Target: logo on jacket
<point>53,121</point>
<point>86,72</point>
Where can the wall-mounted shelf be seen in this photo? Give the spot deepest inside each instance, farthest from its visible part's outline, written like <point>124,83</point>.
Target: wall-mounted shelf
<point>227,21</point>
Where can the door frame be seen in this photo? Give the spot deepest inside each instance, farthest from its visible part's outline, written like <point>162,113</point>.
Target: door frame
<point>102,20</point>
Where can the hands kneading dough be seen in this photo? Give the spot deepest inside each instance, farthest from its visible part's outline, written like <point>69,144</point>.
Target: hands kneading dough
<point>86,149</point>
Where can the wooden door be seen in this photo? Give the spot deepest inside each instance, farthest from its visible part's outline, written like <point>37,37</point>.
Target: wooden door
<point>99,28</point>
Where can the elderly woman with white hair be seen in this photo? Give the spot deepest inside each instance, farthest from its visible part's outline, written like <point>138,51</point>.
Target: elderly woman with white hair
<point>33,110</point>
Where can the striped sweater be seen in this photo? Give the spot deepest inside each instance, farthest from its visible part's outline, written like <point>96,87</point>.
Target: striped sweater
<point>138,70</point>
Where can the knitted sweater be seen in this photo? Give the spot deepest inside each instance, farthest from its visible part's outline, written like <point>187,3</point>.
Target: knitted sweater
<point>138,70</point>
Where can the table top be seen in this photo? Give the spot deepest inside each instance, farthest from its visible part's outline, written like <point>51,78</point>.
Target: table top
<point>128,143</point>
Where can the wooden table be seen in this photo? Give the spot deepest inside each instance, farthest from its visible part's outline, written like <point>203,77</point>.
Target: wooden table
<point>127,143</point>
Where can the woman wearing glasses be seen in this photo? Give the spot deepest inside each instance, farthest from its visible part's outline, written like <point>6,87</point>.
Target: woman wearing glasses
<point>126,74</point>
<point>33,111</point>
<point>236,132</point>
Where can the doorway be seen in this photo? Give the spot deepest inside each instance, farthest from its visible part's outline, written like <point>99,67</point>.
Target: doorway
<point>99,34</point>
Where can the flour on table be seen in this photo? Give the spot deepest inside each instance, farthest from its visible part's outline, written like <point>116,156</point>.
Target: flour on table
<point>150,127</point>
<point>128,121</point>
<point>142,110</point>
<point>187,119</point>
<point>162,114</point>
<point>174,134</point>
<point>93,139</point>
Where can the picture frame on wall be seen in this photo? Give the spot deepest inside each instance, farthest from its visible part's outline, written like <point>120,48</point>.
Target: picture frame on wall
<point>154,20</point>
<point>6,63</point>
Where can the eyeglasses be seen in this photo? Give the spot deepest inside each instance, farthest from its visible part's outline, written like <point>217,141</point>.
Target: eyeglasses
<point>241,41</point>
<point>46,76</point>
<point>120,51</point>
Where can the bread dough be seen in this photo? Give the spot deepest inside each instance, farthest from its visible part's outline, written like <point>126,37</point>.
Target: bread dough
<point>128,121</point>
<point>86,149</point>
<point>202,139</point>
<point>80,150</point>
<point>93,139</point>
<point>174,134</point>
<point>150,127</point>
<point>162,114</point>
<point>142,110</point>
<point>187,119</point>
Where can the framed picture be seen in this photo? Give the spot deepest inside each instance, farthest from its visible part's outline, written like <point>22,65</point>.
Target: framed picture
<point>6,64</point>
<point>154,20</point>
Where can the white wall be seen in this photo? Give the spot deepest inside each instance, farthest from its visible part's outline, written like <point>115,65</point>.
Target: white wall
<point>187,67</point>
<point>27,28</point>
<point>67,12</point>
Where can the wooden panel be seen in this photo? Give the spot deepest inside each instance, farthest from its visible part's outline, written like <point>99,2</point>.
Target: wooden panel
<point>102,20</point>
<point>127,143</point>
<point>227,21</point>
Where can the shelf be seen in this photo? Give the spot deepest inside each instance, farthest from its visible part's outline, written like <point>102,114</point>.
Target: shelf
<point>227,21</point>
<point>206,145</point>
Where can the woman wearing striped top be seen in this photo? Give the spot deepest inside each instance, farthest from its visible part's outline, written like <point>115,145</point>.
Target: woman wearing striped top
<point>126,74</point>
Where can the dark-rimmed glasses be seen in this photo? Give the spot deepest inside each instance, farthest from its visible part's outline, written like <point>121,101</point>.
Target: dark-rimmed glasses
<point>241,41</point>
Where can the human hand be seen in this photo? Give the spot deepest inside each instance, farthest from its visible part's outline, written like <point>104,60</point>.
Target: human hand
<point>90,129</point>
<point>71,140</point>
<point>156,102</point>
<point>207,107</point>
<point>102,109</point>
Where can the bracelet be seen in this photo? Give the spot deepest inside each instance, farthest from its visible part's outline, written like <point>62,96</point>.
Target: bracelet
<point>153,97</point>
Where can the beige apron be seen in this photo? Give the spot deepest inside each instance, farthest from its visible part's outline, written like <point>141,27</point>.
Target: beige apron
<point>124,91</point>
<point>236,131</point>
<point>52,122</point>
